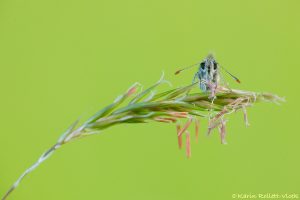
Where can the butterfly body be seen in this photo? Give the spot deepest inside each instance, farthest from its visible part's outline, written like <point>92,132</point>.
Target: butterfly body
<point>207,74</point>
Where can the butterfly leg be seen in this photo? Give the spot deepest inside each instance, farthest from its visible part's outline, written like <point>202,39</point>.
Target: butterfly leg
<point>203,85</point>
<point>195,76</point>
<point>194,80</point>
<point>224,82</point>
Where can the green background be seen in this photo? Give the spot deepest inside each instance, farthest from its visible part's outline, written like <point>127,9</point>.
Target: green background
<point>62,59</point>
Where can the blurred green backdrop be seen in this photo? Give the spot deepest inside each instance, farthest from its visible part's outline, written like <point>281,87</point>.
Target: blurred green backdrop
<point>61,59</point>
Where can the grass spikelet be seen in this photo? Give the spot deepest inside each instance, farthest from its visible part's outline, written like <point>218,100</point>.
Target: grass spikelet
<point>179,137</point>
<point>188,144</point>
<point>196,129</point>
<point>245,116</point>
<point>222,130</point>
<point>188,123</point>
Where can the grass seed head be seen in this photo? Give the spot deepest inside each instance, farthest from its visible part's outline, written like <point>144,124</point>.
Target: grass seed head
<point>169,106</point>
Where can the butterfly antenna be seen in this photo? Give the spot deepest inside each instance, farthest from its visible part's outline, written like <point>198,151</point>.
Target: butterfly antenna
<point>234,77</point>
<point>178,71</point>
